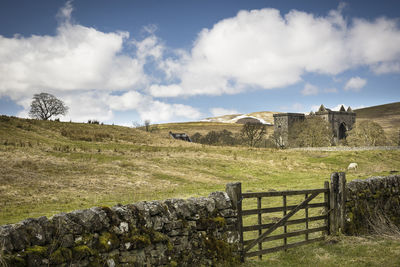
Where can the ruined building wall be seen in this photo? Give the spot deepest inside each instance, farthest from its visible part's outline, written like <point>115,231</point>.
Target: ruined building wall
<point>174,232</point>
<point>283,123</point>
<point>337,118</point>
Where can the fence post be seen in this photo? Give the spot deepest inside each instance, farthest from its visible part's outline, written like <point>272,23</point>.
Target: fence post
<point>342,200</point>
<point>337,202</point>
<point>234,191</point>
<point>327,208</point>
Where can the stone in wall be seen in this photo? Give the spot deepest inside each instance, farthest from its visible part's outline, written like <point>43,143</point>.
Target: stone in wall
<point>173,232</point>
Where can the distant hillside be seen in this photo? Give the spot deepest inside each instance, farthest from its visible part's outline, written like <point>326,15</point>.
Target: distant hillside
<point>388,116</point>
<point>265,117</point>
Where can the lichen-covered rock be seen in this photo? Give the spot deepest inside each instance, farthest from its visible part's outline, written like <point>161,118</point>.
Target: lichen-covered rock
<point>222,200</point>
<point>178,208</point>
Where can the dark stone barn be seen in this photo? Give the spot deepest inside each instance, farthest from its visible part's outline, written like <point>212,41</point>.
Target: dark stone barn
<point>341,121</point>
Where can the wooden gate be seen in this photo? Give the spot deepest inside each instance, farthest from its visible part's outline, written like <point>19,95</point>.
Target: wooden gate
<point>328,221</point>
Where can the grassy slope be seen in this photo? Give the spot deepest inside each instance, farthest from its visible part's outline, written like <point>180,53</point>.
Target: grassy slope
<point>50,167</point>
<point>388,116</point>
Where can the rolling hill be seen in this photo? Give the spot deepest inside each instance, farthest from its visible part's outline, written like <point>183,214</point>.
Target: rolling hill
<point>266,117</point>
<point>388,116</point>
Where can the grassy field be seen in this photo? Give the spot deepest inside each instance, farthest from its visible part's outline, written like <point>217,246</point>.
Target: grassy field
<point>48,167</point>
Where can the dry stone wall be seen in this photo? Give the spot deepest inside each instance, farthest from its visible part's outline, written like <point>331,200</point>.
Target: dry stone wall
<point>373,205</point>
<point>174,232</point>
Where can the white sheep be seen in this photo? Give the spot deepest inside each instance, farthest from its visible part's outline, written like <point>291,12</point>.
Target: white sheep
<point>352,166</point>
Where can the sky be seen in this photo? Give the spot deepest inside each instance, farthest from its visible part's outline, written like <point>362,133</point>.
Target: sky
<point>125,62</point>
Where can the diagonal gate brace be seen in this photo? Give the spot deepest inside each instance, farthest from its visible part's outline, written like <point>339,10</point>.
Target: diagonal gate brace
<point>262,237</point>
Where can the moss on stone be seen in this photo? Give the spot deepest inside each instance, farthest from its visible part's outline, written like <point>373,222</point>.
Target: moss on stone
<point>158,237</point>
<point>82,251</point>
<point>61,255</point>
<point>140,241</point>
<point>142,237</point>
<point>173,264</point>
<point>170,247</point>
<point>220,252</point>
<point>107,242</point>
<point>220,221</point>
<point>37,250</point>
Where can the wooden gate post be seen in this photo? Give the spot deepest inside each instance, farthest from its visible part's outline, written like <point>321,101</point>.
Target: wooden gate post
<point>337,202</point>
<point>342,200</point>
<point>234,191</point>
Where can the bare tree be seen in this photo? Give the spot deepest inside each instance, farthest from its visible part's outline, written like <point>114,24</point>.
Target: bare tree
<point>45,105</point>
<point>252,133</point>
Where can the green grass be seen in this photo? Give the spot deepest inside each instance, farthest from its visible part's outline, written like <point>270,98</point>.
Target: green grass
<point>44,171</point>
<point>338,251</point>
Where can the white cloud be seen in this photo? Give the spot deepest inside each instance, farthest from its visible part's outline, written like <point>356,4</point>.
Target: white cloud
<point>264,49</point>
<point>162,112</point>
<point>150,109</point>
<point>76,58</point>
<point>355,84</point>
<point>222,111</point>
<point>309,89</point>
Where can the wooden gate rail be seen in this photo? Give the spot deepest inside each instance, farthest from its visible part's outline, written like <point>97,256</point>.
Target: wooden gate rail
<point>291,234</point>
<point>283,193</point>
<point>289,222</point>
<point>275,209</point>
<point>283,247</point>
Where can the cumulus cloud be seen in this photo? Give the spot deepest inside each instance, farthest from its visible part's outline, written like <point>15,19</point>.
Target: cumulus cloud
<point>310,89</point>
<point>151,109</point>
<point>355,84</point>
<point>222,111</point>
<point>264,49</point>
<point>76,58</point>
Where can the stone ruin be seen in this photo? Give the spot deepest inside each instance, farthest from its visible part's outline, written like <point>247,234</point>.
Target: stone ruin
<point>341,122</point>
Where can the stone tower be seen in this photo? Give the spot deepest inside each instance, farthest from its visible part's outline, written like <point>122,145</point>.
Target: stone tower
<point>341,121</point>
<point>283,122</point>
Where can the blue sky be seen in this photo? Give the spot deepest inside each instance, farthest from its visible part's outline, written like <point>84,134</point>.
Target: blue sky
<point>128,61</point>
